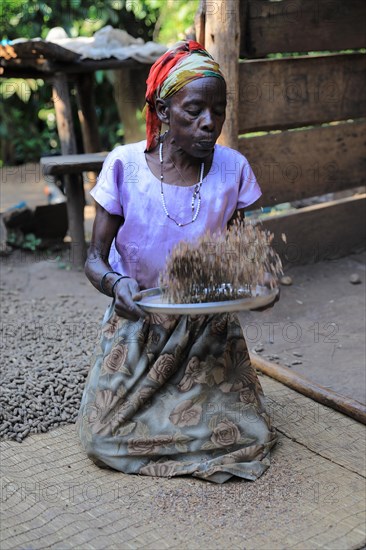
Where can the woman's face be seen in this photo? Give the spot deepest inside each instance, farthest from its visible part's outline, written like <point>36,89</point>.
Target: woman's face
<point>196,114</point>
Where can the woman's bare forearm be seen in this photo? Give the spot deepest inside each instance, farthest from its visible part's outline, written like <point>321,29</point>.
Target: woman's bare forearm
<point>105,229</point>
<point>125,291</point>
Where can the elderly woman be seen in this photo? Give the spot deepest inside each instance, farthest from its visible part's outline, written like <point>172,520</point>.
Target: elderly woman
<point>171,395</point>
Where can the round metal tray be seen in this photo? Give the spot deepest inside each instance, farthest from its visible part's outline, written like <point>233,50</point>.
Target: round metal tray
<point>154,302</point>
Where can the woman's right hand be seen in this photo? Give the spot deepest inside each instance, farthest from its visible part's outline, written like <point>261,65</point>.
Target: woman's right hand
<point>126,293</point>
<point>100,272</point>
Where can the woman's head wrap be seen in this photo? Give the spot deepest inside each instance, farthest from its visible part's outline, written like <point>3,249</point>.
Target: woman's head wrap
<point>185,62</point>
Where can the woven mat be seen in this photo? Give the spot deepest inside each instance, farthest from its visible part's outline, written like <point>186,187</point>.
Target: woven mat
<point>313,496</point>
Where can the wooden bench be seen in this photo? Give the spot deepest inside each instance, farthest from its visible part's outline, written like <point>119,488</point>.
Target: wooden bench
<point>71,168</point>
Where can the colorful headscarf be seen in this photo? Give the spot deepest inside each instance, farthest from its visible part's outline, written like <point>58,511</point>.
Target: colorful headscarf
<point>182,64</point>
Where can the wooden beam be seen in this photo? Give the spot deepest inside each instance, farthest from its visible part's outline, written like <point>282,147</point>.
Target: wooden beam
<point>301,91</point>
<point>222,39</point>
<point>293,165</point>
<point>301,26</point>
<point>320,232</point>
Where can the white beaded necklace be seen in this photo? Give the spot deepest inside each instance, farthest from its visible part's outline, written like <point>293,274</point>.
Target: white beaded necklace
<point>196,192</point>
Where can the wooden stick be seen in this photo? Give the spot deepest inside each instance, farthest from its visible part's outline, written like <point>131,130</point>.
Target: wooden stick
<point>318,393</point>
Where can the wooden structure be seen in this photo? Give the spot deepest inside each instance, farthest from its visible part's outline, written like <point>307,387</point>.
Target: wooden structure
<point>309,108</point>
<point>41,59</point>
<point>49,61</point>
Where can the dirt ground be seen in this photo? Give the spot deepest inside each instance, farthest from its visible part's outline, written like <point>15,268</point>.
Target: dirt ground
<point>318,326</point>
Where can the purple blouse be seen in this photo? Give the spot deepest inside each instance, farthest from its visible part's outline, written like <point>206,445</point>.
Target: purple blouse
<point>126,187</point>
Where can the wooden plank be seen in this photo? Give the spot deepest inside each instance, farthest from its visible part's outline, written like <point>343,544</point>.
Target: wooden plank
<point>320,232</point>
<point>293,165</point>
<point>301,26</point>
<point>222,37</point>
<point>301,91</point>
<point>72,164</point>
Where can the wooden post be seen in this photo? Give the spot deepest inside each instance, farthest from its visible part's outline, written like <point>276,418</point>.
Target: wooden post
<point>73,183</point>
<point>126,95</point>
<point>200,22</point>
<point>86,112</point>
<point>88,119</point>
<point>222,40</point>
<point>65,126</point>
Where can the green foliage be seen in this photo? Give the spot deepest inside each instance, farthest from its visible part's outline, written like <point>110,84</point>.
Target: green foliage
<point>27,120</point>
<point>21,87</point>
<point>35,18</point>
<point>164,21</point>
<point>24,135</point>
<point>175,21</point>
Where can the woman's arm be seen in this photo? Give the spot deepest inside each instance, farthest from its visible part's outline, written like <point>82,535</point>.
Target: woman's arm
<point>126,290</point>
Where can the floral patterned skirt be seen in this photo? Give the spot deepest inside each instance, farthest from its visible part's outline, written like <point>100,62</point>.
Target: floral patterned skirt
<point>175,395</point>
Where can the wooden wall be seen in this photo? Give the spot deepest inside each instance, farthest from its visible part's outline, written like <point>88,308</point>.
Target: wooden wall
<point>308,107</point>
<point>300,26</point>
